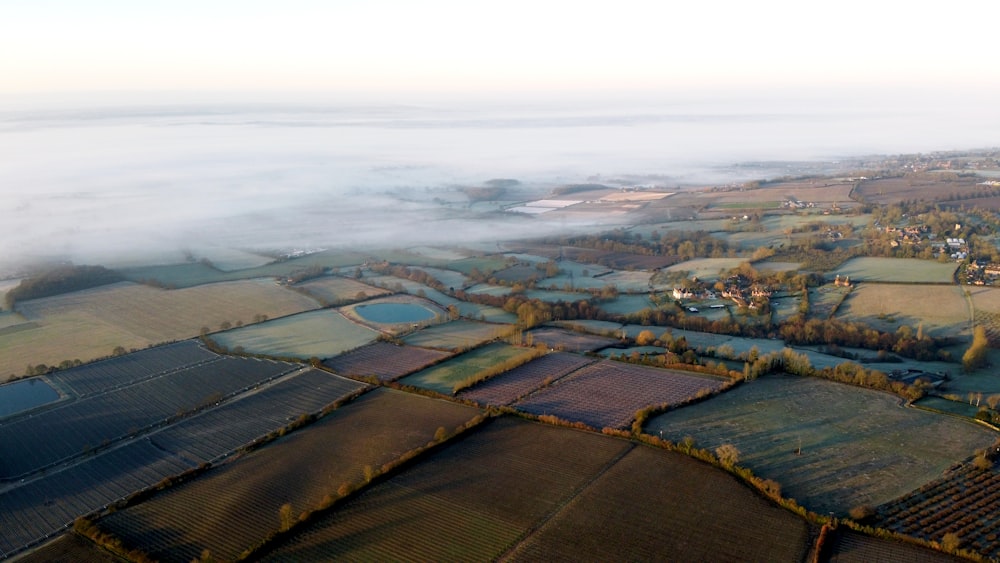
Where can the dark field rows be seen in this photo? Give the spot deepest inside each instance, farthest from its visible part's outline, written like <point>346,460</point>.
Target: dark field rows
<point>234,506</point>
<point>964,502</point>
<point>853,547</point>
<point>42,507</point>
<point>518,382</point>
<point>75,428</point>
<point>468,502</point>
<point>386,361</point>
<point>105,375</point>
<point>654,506</point>
<point>608,393</point>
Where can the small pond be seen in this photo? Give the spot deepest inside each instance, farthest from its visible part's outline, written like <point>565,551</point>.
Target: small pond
<point>394,313</point>
<point>25,394</point>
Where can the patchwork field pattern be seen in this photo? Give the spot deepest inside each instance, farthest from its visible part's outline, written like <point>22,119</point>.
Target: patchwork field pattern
<point>518,382</point>
<point>336,290</point>
<point>386,361</point>
<point>235,506</point>
<point>39,508</point>
<point>831,446</point>
<point>89,324</point>
<point>608,394</point>
<point>460,504</point>
<point>444,376</point>
<point>965,502</point>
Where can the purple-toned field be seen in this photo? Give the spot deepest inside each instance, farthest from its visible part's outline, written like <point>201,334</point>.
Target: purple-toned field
<point>518,382</point>
<point>385,361</point>
<point>608,393</point>
<point>569,341</point>
<point>853,547</point>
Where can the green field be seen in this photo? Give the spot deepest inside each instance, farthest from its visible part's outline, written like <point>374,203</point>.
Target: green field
<point>942,310</point>
<point>456,335</point>
<point>321,334</point>
<point>905,270</point>
<point>336,290</point>
<point>482,263</point>
<point>444,376</point>
<point>89,324</point>
<point>707,269</point>
<point>831,446</point>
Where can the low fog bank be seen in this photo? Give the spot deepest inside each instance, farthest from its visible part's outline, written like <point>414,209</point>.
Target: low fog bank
<point>129,184</point>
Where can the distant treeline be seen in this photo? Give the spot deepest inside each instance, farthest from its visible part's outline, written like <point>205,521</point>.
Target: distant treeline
<point>63,279</point>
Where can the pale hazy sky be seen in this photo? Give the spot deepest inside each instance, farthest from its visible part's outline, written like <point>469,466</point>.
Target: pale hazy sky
<point>409,48</point>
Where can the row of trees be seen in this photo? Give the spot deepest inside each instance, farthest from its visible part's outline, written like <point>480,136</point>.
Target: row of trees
<point>64,279</point>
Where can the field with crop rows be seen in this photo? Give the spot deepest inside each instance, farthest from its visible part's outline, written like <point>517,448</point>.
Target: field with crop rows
<point>70,548</point>
<point>653,505</point>
<point>321,334</point>
<point>89,324</point>
<point>942,309</point>
<point>894,190</point>
<point>39,508</point>
<point>831,446</point>
<point>444,376</point>
<point>470,501</point>
<point>847,546</point>
<point>72,429</point>
<point>236,505</point>
<point>905,270</point>
<point>518,382</point>
<point>986,301</point>
<point>569,341</point>
<point>386,361</point>
<point>965,501</point>
<point>105,375</point>
<point>336,290</point>
<point>608,393</point>
<point>456,335</point>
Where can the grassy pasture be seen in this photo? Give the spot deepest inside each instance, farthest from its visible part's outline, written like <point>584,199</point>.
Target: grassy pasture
<point>653,505</point>
<point>470,501</point>
<point>322,334</point>
<point>904,270</point>
<point>456,335</point>
<point>336,290</point>
<point>706,268</point>
<point>484,264</point>
<point>857,446</point>
<point>485,313</point>
<point>90,324</point>
<point>826,299</point>
<point>444,376</point>
<point>604,328</point>
<point>236,505</point>
<point>943,309</point>
<point>986,301</point>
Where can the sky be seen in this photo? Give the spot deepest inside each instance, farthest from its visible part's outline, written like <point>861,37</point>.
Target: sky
<point>401,50</point>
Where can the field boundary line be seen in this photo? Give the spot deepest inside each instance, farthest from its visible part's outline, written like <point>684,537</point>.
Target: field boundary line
<point>541,522</point>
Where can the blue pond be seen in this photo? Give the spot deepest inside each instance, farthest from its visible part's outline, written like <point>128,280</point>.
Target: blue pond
<point>26,394</point>
<point>394,312</point>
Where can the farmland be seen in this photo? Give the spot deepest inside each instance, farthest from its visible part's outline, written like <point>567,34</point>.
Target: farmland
<point>235,506</point>
<point>89,324</point>
<point>831,446</point>
<point>608,394</point>
<point>706,268</point>
<point>459,504</point>
<point>457,335</point>
<point>385,361</point>
<point>962,502</point>
<point>522,380</point>
<point>904,270</point>
<point>569,341</point>
<point>444,376</point>
<point>336,290</point>
<point>320,334</point>
<point>38,508</point>
<point>940,310</point>
<point>647,494</point>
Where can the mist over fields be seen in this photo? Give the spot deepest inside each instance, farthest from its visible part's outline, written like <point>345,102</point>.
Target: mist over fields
<point>128,184</point>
